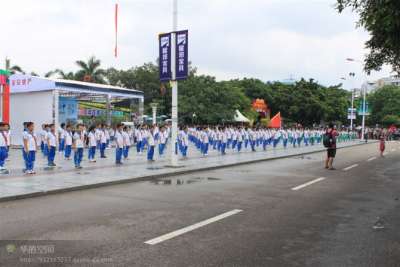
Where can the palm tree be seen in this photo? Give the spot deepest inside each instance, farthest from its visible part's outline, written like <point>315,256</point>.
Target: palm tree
<point>62,75</point>
<point>16,69</point>
<point>90,71</point>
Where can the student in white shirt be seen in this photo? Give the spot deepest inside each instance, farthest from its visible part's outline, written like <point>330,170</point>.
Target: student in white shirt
<point>68,142</point>
<point>151,144</point>
<point>119,144</point>
<point>106,129</point>
<point>139,140</point>
<point>127,142</point>
<point>3,147</point>
<point>51,140</point>
<point>92,144</point>
<point>78,145</point>
<point>103,140</point>
<point>30,146</point>
<point>8,135</point>
<point>61,136</point>
<point>163,140</point>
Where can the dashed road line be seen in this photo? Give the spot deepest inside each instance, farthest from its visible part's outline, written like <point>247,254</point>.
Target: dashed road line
<point>308,183</point>
<point>192,227</point>
<point>350,167</point>
<point>371,159</point>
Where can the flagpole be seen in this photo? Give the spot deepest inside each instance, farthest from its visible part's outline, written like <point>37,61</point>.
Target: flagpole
<point>116,31</point>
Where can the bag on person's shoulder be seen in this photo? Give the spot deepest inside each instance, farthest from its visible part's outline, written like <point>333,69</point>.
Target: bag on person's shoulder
<point>327,140</point>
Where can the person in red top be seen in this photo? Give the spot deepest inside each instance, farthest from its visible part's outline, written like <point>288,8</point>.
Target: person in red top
<point>331,150</point>
<point>382,139</point>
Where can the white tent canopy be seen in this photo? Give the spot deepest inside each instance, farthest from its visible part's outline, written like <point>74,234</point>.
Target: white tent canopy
<point>239,117</point>
<point>37,99</point>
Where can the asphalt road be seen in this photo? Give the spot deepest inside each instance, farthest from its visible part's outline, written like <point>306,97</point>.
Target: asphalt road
<point>288,212</point>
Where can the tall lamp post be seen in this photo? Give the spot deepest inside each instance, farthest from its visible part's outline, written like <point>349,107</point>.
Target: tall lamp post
<point>154,110</point>
<point>174,85</point>
<point>364,90</point>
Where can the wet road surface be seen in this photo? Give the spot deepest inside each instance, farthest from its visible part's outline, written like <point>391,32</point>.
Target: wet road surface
<point>288,212</point>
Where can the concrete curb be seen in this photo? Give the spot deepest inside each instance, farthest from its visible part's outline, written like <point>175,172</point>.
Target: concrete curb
<point>162,175</point>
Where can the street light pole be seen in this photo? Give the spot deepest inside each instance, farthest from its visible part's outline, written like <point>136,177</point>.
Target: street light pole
<point>364,99</point>
<point>352,109</point>
<point>363,117</point>
<point>174,84</point>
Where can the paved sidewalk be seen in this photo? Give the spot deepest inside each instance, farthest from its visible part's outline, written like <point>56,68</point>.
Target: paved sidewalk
<point>65,178</point>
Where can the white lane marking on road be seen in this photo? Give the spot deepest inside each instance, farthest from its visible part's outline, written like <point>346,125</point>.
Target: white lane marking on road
<point>308,183</point>
<point>192,227</point>
<point>350,167</point>
<point>385,153</point>
<point>371,159</point>
<point>393,150</point>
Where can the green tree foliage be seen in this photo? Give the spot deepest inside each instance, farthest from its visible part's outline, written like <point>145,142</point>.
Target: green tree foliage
<point>144,78</point>
<point>381,19</point>
<point>305,102</point>
<point>90,70</point>
<point>385,105</point>
<point>212,102</point>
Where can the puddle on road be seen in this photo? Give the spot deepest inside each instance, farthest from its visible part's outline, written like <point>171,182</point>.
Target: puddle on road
<point>83,173</point>
<point>304,157</point>
<point>183,181</point>
<point>155,168</point>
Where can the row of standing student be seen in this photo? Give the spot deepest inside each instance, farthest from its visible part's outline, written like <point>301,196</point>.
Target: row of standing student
<point>222,138</point>
<point>68,139</point>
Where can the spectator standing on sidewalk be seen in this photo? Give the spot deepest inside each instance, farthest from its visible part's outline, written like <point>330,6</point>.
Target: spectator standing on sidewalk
<point>330,144</point>
<point>382,145</point>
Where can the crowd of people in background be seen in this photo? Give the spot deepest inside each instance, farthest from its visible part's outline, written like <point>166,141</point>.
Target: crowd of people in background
<point>73,141</point>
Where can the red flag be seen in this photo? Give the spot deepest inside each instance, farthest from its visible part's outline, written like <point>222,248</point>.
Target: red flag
<point>276,121</point>
<point>116,31</point>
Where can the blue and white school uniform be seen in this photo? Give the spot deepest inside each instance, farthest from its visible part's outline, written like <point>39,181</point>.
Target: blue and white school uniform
<point>43,145</point>
<point>285,137</point>
<point>306,137</point>
<point>265,139</point>
<point>92,146</point>
<point>139,141</point>
<point>151,144</point>
<point>79,140</point>
<point>163,141</point>
<point>30,155</point>
<point>3,149</point>
<point>277,138</point>
<point>68,144</point>
<point>107,136</point>
<point>127,144</point>
<point>8,135</point>
<point>239,139</point>
<point>103,142</point>
<point>119,146</point>
<point>61,135</point>
<point>205,142</point>
<point>224,141</point>
<point>51,146</point>
<point>185,143</point>
<point>253,139</point>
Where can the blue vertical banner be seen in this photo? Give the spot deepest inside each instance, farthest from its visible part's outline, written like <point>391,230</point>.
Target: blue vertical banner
<point>182,63</point>
<point>165,57</point>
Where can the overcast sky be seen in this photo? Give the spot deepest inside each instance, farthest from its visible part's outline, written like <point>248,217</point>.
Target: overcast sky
<point>265,39</point>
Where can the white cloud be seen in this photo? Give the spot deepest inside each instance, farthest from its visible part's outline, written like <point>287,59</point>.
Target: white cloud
<point>266,39</point>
